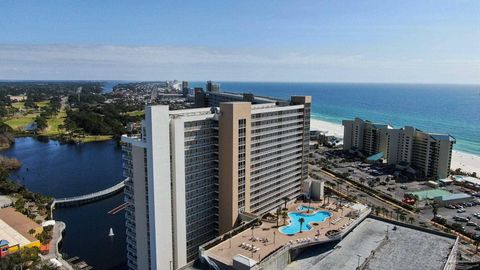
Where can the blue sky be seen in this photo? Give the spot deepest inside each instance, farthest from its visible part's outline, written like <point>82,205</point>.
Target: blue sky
<point>433,41</point>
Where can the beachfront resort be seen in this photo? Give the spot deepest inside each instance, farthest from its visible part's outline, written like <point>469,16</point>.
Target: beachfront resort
<point>229,180</point>
<point>198,173</point>
<point>424,153</point>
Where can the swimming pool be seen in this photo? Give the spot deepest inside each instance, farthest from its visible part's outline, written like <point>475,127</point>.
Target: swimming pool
<point>305,208</point>
<point>294,226</point>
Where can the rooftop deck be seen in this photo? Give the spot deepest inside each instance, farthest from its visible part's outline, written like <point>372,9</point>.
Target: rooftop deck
<point>375,244</point>
<point>261,241</point>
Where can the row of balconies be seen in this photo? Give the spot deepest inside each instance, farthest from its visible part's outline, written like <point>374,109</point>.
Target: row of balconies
<point>282,167</point>
<point>283,157</point>
<point>256,185</point>
<point>276,144</point>
<point>275,200</point>
<point>273,188</point>
<point>277,132</point>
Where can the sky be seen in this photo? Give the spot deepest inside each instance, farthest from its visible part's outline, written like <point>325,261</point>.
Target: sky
<point>421,41</point>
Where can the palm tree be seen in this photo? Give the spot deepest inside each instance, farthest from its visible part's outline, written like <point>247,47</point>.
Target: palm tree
<point>285,200</point>
<point>411,219</point>
<point>278,214</point>
<point>308,209</point>
<point>435,209</point>
<point>362,181</point>
<point>284,216</point>
<point>383,209</point>
<point>301,220</point>
<point>397,211</point>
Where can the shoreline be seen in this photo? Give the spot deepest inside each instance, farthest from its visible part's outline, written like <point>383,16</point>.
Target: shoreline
<point>465,161</point>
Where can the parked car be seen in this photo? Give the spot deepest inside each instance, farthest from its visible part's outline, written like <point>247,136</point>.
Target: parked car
<point>450,207</point>
<point>461,210</point>
<point>471,223</point>
<point>461,219</point>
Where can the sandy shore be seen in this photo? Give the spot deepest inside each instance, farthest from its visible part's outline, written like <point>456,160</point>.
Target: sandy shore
<point>466,162</point>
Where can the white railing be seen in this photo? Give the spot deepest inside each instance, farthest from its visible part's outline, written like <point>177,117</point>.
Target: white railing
<point>91,195</point>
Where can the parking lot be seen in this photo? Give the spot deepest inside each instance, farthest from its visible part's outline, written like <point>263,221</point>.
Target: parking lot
<point>449,215</point>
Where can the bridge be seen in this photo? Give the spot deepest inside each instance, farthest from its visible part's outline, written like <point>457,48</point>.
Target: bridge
<point>88,198</point>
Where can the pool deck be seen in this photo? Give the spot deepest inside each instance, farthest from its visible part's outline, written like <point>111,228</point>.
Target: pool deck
<point>226,250</point>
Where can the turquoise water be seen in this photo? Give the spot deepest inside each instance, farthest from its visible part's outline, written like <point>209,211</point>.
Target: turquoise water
<point>453,109</point>
<point>294,226</point>
<point>305,208</point>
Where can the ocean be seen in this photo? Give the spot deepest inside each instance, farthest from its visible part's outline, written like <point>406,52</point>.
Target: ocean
<point>453,109</point>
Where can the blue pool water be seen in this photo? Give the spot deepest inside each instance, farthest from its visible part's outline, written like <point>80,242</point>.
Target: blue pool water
<point>294,226</point>
<point>305,208</point>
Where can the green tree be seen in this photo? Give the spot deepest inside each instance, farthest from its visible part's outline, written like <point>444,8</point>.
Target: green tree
<point>435,209</point>
<point>301,220</point>
<point>411,219</point>
<point>285,200</point>
<point>41,122</point>
<point>277,214</point>
<point>284,216</point>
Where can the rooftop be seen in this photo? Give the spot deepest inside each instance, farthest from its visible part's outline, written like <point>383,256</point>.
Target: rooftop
<point>441,136</point>
<point>14,227</point>
<point>404,248</point>
<point>229,249</point>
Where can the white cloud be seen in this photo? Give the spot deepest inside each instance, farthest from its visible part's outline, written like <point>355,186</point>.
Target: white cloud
<point>97,62</point>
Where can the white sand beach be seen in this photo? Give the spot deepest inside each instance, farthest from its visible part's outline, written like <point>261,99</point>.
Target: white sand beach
<point>466,162</point>
<point>333,129</point>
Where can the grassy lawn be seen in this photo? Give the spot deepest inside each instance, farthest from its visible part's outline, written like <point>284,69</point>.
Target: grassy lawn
<point>99,138</point>
<point>53,124</point>
<point>20,122</point>
<point>19,105</point>
<point>136,113</point>
<point>42,103</point>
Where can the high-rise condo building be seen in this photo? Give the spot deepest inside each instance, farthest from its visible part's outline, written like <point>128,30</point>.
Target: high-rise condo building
<point>192,172</point>
<point>428,153</point>
<point>213,87</point>
<point>185,88</point>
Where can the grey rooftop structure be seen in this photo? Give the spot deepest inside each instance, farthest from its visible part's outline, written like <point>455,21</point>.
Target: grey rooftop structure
<point>369,247</point>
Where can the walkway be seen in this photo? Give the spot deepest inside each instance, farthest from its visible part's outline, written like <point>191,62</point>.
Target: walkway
<point>89,197</point>
<point>53,252</point>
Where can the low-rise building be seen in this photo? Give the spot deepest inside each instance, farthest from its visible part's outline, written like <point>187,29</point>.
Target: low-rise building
<point>15,231</point>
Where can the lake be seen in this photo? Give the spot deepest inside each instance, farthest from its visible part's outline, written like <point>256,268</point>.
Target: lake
<point>64,170</point>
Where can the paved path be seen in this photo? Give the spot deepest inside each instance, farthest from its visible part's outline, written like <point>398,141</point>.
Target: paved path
<point>54,252</point>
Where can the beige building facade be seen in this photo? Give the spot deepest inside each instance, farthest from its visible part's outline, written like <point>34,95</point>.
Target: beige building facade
<point>192,172</point>
<point>429,153</point>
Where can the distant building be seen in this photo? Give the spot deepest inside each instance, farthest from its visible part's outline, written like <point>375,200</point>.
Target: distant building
<point>429,153</point>
<point>213,99</point>
<point>15,231</point>
<point>200,98</point>
<point>185,89</point>
<point>213,87</point>
<point>193,173</point>
<point>18,98</point>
